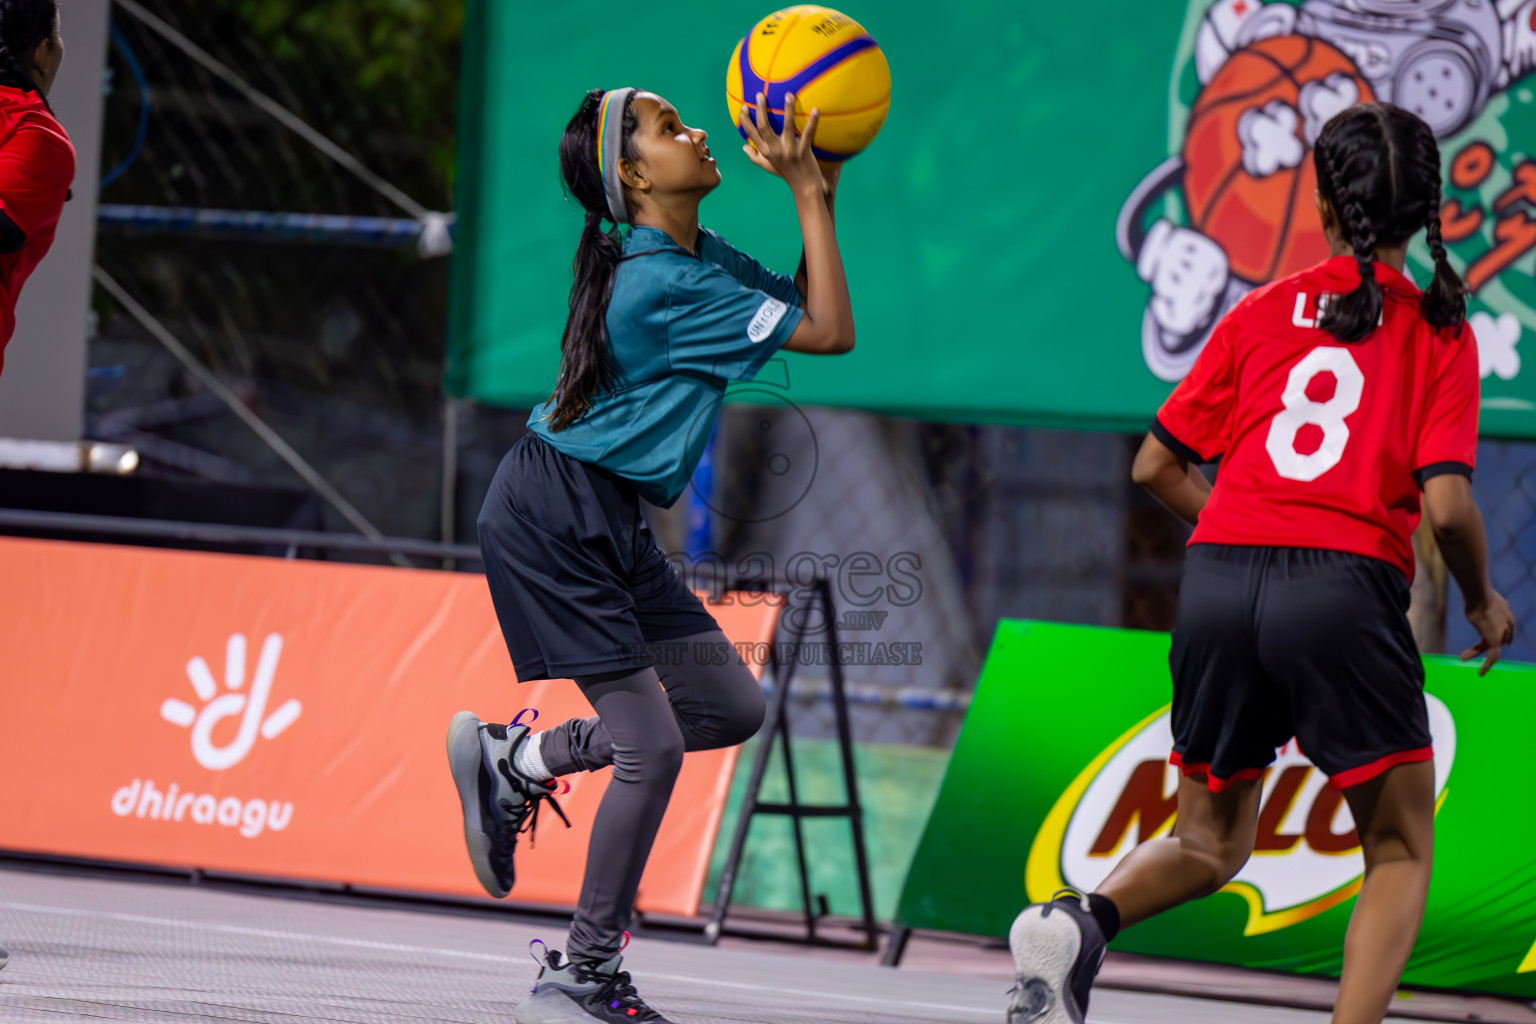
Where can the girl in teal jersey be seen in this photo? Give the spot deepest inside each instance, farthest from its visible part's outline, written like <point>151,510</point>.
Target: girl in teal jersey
<point>662,317</point>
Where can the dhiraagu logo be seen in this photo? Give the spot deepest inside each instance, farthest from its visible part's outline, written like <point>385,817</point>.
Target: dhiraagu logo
<point>179,803</point>
<point>1306,857</point>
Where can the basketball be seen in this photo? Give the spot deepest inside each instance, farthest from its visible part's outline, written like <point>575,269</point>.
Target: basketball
<point>828,61</point>
<point>1263,216</point>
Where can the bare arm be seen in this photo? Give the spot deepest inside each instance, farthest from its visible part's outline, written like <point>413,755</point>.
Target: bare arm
<point>1459,532</point>
<point>830,173</point>
<point>1176,483</point>
<point>827,327</point>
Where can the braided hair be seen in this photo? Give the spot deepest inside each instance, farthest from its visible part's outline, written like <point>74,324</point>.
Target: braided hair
<point>586,362</point>
<point>1379,167</point>
<point>24,24</point>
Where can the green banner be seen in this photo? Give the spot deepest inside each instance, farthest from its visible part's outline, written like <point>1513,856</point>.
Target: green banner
<point>1058,208</point>
<point>1061,769</point>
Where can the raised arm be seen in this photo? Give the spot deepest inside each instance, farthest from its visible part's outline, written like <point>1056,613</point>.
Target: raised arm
<point>830,173</point>
<point>827,327</point>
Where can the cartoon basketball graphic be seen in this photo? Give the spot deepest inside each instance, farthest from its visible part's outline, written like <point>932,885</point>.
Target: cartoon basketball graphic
<point>1230,208</point>
<point>1249,177</point>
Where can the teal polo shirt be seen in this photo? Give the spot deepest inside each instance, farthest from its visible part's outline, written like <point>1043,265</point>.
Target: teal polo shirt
<point>681,327</point>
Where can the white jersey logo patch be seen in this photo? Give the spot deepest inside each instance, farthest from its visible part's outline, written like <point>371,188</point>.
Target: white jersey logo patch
<point>767,318</point>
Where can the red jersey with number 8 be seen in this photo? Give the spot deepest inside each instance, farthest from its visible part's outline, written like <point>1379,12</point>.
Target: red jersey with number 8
<point>1323,443</point>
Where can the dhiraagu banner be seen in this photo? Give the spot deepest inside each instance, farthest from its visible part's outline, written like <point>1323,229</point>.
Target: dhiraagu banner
<point>1058,209</point>
<point>1062,768</point>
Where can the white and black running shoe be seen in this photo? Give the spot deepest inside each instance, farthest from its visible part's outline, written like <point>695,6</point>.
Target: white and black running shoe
<point>577,992</point>
<point>499,802</point>
<point>1057,949</point>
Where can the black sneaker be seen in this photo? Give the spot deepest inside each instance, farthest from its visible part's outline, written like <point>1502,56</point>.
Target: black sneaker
<point>499,802</point>
<point>1057,949</point>
<point>578,992</point>
<point>5,958</point>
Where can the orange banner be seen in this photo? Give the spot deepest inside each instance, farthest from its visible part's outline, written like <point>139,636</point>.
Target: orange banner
<point>286,719</point>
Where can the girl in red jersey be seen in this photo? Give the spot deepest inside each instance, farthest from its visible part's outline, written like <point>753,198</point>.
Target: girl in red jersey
<point>37,161</point>
<point>1342,402</point>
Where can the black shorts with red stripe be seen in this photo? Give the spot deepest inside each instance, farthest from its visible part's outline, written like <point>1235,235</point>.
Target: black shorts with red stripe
<point>1274,643</point>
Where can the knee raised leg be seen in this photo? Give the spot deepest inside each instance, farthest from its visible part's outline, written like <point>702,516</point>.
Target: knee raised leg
<point>654,758</point>
<point>743,716</point>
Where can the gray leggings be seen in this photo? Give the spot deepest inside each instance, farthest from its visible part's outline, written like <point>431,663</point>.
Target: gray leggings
<point>645,722</point>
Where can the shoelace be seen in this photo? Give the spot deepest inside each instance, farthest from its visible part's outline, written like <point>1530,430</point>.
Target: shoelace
<point>522,817</point>
<point>619,993</point>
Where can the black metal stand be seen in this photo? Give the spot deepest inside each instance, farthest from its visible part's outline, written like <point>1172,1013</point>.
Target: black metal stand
<point>778,715</point>
<point>895,946</point>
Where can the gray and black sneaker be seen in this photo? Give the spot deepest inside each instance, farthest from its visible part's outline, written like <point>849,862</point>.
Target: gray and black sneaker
<point>577,992</point>
<point>5,958</point>
<point>1057,949</point>
<point>499,802</point>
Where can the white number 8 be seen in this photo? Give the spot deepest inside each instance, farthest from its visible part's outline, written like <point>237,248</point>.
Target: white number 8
<point>1301,410</point>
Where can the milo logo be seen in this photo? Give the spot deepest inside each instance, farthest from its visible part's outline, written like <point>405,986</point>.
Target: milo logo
<point>1306,857</point>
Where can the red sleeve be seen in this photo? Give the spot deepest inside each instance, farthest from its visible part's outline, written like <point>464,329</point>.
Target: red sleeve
<point>1196,421</point>
<point>1447,441</point>
<point>37,164</point>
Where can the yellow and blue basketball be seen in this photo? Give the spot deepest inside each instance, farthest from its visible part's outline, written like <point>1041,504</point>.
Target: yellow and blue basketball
<point>828,61</point>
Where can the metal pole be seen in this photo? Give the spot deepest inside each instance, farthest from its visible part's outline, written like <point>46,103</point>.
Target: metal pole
<point>221,533</point>
<point>799,829</point>
<point>449,508</point>
<point>845,742</point>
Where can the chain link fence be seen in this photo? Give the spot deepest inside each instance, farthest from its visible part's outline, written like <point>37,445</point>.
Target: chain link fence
<point>1505,488</point>
<point>337,341</point>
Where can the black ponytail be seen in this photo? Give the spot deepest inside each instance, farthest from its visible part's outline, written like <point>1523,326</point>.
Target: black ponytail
<point>1379,167</point>
<point>24,24</point>
<point>586,362</point>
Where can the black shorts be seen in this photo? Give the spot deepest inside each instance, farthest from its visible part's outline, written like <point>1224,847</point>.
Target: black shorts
<point>1275,643</point>
<point>579,584</point>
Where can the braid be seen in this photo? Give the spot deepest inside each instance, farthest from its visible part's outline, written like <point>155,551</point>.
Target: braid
<point>1444,304</point>
<point>1352,317</point>
<point>1362,237</point>
<point>1432,214</point>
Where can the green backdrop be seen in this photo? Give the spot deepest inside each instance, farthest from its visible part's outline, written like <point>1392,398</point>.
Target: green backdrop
<point>980,229</point>
<point>1035,780</point>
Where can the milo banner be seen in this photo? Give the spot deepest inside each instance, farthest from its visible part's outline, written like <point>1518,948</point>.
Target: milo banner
<point>1079,200</point>
<point>1061,769</point>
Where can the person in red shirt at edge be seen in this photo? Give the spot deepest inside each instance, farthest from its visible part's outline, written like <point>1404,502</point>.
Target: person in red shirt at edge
<point>1333,398</point>
<point>37,161</point>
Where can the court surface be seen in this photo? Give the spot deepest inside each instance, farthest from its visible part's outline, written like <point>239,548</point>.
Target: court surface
<point>85,948</point>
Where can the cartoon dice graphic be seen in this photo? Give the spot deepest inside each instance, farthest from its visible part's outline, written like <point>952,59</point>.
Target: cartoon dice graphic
<point>1437,85</point>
